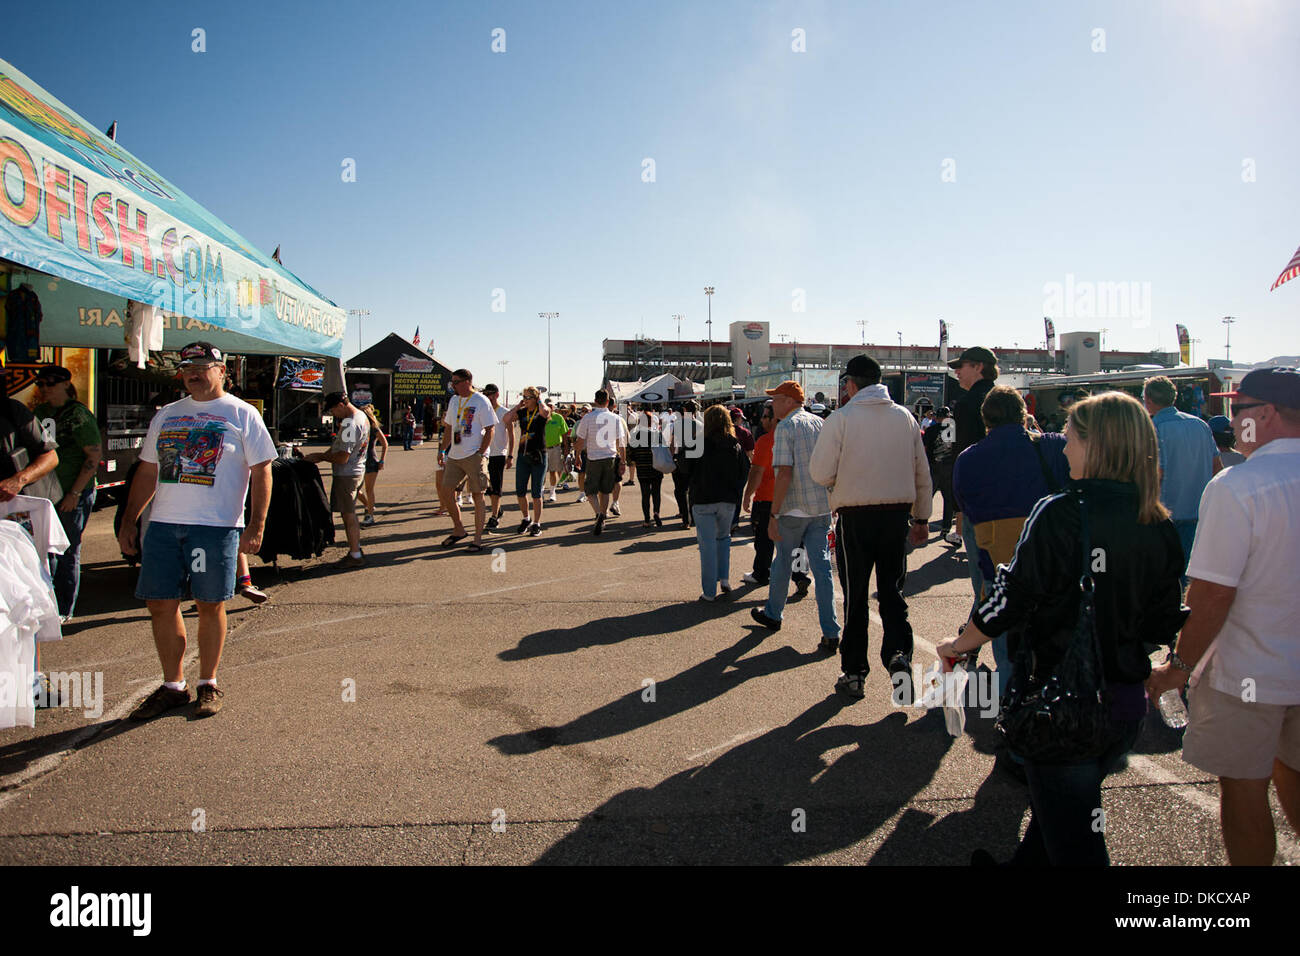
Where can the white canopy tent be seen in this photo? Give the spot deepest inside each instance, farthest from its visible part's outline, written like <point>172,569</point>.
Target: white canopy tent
<point>662,388</point>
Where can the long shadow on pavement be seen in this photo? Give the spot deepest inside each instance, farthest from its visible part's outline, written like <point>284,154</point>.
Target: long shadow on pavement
<point>692,687</point>
<point>779,798</point>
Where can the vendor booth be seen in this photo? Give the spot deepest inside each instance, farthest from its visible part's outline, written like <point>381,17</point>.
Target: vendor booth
<point>394,375</point>
<point>108,268</point>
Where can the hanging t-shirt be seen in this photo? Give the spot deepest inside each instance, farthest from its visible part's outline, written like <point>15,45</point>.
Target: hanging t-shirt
<point>468,417</point>
<point>38,518</point>
<point>203,451</point>
<point>353,438</point>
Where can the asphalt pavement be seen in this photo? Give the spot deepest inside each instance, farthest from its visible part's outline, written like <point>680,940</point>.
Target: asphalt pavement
<point>558,699</point>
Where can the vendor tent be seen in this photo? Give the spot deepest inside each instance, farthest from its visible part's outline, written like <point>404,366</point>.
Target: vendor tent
<point>98,226</point>
<point>663,388</point>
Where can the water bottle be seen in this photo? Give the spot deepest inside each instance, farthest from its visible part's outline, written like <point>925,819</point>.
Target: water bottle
<point>1172,709</point>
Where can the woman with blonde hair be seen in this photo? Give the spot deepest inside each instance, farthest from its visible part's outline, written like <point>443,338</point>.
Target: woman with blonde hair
<point>374,462</point>
<point>714,479</point>
<point>530,464</point>
<point>1127,587</point>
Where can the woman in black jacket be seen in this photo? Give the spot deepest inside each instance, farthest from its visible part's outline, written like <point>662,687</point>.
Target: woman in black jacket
<point>714,479</point>
<point>1135,565</point>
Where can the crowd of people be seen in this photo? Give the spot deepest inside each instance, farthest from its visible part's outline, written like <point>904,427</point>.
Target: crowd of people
<point>1138,527</point>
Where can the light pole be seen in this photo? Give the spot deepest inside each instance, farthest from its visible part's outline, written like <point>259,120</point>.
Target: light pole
<point>708,291</point>
<point>505,394</point>
<point>862,324</point>
<point>360,314</point>
<point>900,351</point>
<point>1227,348</point>
<point>548,316</point>
<point>679,318</point>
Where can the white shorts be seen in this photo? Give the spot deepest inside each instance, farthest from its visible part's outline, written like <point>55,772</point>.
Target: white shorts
<point>1231,738</point>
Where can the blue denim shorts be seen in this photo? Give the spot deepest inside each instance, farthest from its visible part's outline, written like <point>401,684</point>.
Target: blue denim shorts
<point>176,555</point>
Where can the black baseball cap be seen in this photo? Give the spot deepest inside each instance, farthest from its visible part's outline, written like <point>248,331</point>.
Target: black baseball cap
<point>201,352</point>
<point>489,389</point>
<point>974,354</point>
<point>53,374</point>
<point>862,366</point>
<point>1276,385</point>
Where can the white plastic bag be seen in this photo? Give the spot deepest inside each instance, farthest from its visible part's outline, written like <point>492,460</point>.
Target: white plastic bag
<point>947,689</point>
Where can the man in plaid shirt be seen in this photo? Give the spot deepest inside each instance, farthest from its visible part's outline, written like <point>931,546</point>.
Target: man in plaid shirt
<point>801,515</point>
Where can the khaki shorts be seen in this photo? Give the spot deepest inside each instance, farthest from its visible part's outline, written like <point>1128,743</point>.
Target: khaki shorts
<point>343,494</point>
<point>1230,738</point>
<point>472,469</point>
<point>555,458</point>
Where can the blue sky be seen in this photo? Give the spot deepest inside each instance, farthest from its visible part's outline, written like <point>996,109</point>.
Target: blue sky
<point>774,170</point>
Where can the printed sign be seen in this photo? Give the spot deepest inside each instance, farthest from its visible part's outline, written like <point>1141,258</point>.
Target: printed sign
<point>301,374</point>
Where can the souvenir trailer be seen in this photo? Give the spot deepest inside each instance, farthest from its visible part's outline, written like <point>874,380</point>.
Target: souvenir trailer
<point>126,269</point>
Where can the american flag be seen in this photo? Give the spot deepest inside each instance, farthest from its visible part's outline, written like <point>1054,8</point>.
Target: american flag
<point>1290,272</point>
<point>416,340</point>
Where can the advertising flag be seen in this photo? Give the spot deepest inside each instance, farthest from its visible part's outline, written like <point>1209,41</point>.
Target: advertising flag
<point>1050,330</point>
<point>1184,345</point>
<point>943,342</point>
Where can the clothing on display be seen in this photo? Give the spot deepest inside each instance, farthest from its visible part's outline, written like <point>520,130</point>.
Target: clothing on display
<point>22,325</point>
<point>29,533</point>
<point>298,522</point>
<point>143,332</point>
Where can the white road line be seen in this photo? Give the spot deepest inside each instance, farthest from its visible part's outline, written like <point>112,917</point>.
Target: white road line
<point>733,741</point>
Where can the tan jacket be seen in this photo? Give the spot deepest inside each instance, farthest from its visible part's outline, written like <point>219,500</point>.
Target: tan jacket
<point>870,453</point>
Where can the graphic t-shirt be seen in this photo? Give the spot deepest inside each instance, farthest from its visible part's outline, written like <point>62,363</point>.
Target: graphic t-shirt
<point>468,417</point>
<point>353,438</point>
<point>203,451</point>
<point>73,427</point>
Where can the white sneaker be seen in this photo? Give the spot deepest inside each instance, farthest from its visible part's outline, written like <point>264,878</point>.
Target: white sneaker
<point>582,497</point>
<point>551,499</point>
<point>748,578</point>
<point>613,509</point>
<point>952,537</point>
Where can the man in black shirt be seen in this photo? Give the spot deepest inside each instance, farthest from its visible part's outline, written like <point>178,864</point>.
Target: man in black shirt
<point>977,370</point>
<point>25,453</point>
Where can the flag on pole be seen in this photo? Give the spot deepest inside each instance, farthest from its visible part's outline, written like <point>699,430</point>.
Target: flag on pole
<point>1050,331</point>
<point>749,359</point>
<point>1184,344</point>
<point>111,132</point>
<point>794,355</point>
<point>943,343</point>
<point>1290,272</point>
<point>416,340</point>
<point>276,255</point>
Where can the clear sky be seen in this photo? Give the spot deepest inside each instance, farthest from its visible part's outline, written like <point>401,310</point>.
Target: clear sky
<point>916,161</point>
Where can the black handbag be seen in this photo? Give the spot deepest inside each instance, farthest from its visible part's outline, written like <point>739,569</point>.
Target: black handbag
<point>1063,716</point>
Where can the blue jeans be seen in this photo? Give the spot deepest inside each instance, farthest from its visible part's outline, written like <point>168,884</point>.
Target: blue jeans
<point>67,566</point>
<point>180,558</point>
<point>713,532</point>
<point>527,472</point>
<point>1063,828</point>
<point>972,557</point>
<point>809,534</point>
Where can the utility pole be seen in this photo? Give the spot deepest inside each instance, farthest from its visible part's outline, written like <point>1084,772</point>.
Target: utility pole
<point>862,324</point>
<point>708,292</point>
<point>1227,348</point>
<point>360,314</point>
<point>548,316</point>
<point>678,317</point>
<point>505,394</point>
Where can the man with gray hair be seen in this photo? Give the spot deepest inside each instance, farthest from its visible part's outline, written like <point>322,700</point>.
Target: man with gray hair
<point>1189,458</point>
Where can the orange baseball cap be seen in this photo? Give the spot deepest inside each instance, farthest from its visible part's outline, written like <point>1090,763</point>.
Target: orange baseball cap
<point>790,389</point>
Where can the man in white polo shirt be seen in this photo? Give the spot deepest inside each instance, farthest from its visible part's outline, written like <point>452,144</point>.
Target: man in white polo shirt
<point>1241,643</point>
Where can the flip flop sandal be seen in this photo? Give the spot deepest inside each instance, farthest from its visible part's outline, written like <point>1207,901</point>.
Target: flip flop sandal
<point>473,548</point>
<point>451,539</point>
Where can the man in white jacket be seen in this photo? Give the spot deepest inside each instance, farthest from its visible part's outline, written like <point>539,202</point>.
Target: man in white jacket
<point>871,457</point>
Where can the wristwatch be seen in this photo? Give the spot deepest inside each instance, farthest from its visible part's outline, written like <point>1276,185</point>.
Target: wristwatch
<point>1178,662</point>
<point>924,521</point>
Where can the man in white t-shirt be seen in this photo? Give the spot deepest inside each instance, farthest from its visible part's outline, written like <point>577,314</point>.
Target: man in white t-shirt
<point>1241,642</point>
<point>347,458</point>
<point>602,435</point>
<point>471,424</point>
<point>498,456</point>
<point>196,463</point>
